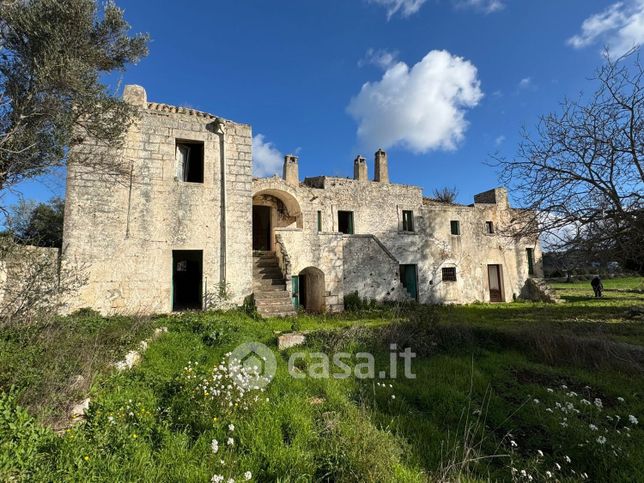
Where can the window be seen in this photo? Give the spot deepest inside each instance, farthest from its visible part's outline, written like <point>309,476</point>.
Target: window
<point>489,227</point>
<point>319,221</point>
<point>408,220</point>
<point>189,155</point>
<point>449,274</point>
<point>530,253</point>
<point>345,222</point>
<point>455,225</point>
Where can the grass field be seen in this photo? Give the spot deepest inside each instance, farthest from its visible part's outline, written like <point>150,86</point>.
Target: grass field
<point>502,392</point>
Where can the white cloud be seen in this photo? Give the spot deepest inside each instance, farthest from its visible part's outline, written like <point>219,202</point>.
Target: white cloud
<point>525,83</point>
<point>420,108</point>
<point>485,6</point>
<point>267,160</point>
<point>499,140</point>
<point>381,58</point>
<point>620,27</point>
<point>405,7</point>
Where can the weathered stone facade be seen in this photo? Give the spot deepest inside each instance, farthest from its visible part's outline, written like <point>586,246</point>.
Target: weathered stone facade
<point>143,234</point>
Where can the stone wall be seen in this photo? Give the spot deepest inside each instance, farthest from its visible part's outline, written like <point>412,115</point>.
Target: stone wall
<point>371,270</point>
<point>30,281</point>
<point>125,228</point>
<point>377,211</point>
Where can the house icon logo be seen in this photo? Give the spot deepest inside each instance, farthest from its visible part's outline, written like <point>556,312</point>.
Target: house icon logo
<point>252,365</point>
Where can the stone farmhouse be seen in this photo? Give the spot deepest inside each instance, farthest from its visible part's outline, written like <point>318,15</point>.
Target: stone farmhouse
<point>190,223</point>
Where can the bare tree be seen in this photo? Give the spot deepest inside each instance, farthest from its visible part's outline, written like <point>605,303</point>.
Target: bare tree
<point>445,195</point>
<point>581,171</point>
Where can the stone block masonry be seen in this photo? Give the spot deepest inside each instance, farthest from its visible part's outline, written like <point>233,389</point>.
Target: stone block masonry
<point>180,219</point>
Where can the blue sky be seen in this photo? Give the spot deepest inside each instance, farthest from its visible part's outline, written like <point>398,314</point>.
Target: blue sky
<point>450,81</point>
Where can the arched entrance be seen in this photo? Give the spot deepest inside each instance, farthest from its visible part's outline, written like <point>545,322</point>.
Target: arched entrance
<point>311,289</point>
<point>273,209</point>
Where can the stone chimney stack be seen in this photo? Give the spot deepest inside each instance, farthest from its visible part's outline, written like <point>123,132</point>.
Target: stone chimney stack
<point>135,95</point>
<point>382,171</point>
<point>291,175</point>
<point>360,169</point>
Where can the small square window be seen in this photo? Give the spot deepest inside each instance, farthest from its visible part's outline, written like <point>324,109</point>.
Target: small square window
<point>455,226</point>
<point>449,274</point>
<point>408,220</point>
<point>489,227</point>
<point>345,222</point>
<point>189,155</point>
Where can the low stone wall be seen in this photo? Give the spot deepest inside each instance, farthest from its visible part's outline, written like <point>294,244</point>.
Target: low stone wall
<point>371,270</point>
<point>30,280</point>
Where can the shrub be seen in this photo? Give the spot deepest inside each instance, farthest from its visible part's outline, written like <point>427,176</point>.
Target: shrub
<point>24,444</point>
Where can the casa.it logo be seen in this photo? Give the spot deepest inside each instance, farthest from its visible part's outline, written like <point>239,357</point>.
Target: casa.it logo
<point>252,365</point>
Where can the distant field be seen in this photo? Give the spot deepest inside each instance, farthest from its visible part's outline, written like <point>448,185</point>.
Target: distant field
<point>499,390</point>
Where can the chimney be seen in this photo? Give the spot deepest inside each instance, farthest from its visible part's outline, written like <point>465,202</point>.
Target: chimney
<point>291,175</point>
<point>135,95</point>
<point>382,171</point>
<point>360,169</point>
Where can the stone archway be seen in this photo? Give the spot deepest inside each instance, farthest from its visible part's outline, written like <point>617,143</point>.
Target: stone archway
<point>273,208</point>
<point>312,289</point>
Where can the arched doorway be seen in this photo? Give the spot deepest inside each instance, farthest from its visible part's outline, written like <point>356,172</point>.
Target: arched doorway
<point>311,289</point>
<point>273,209</point>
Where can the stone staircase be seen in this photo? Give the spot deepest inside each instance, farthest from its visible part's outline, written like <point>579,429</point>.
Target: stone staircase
<point>269,287</point>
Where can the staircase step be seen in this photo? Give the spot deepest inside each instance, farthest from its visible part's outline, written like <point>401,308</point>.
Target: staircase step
<point>272,294</point>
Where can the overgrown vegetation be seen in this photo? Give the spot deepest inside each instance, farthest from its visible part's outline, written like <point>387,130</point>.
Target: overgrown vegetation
<point>489,401</point>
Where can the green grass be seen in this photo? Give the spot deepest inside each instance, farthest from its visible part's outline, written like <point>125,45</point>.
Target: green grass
<point>43,361</point>
<point>478,373</point>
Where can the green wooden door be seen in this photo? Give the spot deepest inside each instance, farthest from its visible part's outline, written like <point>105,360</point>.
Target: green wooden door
<point>409,279</point>
<point>295,291</point>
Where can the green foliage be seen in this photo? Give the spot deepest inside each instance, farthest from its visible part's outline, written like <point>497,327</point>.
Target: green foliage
<point>53,54</point>
<point>354,303</point>
<point>474,392</point>
<point>44,360</point>
<point>38,224</point>
<point>25,446</point>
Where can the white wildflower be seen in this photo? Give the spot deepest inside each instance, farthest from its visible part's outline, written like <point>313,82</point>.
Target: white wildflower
<point>513,443</point>
<point>632,419</point>
<point>230,441</point>
<point>540,453</point>
<point>548,474</point>
<point>393,396</point>
<point>549,390</point>
<point>248,475</point>
<point>215,446</point>
<point>598,403</point>
<point>620,399</point>
<point>567,459</point>
<point>231,427</point>
<point>536,401</point>
<point>601,440</point>
<point>217,479</point>
<point>592,427</point>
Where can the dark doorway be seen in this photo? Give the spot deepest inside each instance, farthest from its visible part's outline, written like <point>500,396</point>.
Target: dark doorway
<point>302,302</point>
<point>261,227</point>
<point>345,222</point>
<point>494,280</point>
<point>187,273</point>
<point>409,279</point>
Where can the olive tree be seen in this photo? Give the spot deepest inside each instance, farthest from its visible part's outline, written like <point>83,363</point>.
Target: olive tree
<point>52,56</point>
